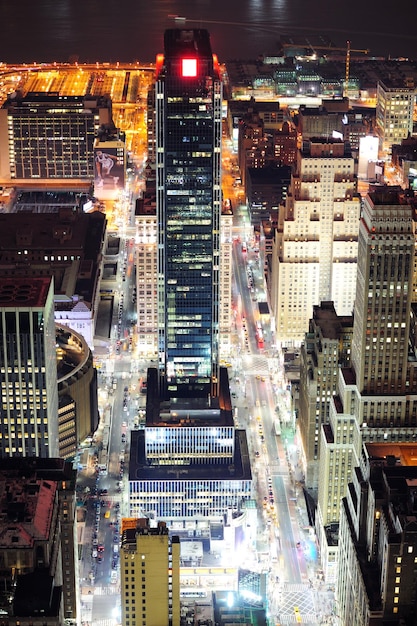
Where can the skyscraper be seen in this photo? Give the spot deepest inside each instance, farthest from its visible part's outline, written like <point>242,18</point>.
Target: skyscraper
<point>378,539</point>
<point>326,347</point>
<point>394,111</point>
<point>190,462</point>
<point>314,257</point>
<point>28,375</point>
<point>377,396</point>
<point>188,157</point>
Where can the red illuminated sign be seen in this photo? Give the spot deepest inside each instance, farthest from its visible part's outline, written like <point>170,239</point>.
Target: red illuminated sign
<point>189,67</point>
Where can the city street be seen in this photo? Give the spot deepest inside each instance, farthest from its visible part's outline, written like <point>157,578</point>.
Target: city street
<point>285,544</point>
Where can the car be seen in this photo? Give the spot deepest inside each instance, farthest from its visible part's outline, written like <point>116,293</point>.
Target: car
<point>94,554</point>
<point>99,559</point>
<point>100,548</point>
<point>95,542</point>
<point>257,454</point>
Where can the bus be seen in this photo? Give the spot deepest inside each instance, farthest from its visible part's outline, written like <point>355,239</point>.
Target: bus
<point>259,335</point>
<point>277,428</point>
<point>193,593</point>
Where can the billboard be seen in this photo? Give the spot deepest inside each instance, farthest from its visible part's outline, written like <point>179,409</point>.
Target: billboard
<point>368,151</point>
<point>109,165</point>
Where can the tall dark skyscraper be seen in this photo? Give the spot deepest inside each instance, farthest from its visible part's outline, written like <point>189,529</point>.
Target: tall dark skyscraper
<point>188,156</point>
<point>190,462</point>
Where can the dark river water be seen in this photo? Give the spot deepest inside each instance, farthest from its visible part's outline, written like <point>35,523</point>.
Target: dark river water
<point>131,30</point>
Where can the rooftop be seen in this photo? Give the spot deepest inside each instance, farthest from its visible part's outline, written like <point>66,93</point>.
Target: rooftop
<point>24,293</point>
<point>139,469</point>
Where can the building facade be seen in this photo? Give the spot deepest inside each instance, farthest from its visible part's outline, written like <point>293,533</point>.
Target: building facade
<point>150,574</point>
<point>326,347</point>
<point>147,274</point>
<point>394,112</point>
<point>315,247</point>
<point>49,135</point>
<point>190,463</point>
<point>78,414</point>
<point>376,398</point>
<point>378,539</point>
<point>28,376</point>
<point>57,240</point>
<point>188,151</point>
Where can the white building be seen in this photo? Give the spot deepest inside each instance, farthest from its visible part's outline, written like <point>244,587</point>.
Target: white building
<point>376,397</point>
<point>315,249</point>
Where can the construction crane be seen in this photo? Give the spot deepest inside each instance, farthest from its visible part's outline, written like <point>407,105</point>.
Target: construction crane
<point>328,47</point>
<point>347,68</point>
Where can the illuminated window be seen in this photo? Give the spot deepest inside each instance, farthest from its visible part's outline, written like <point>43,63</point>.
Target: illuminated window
<point>189,67</point>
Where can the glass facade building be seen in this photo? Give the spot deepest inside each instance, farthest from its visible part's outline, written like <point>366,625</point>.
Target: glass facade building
<point>28,370</point>
<point>188,153</point>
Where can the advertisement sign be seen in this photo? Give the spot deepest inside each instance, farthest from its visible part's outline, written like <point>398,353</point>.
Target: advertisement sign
<point>109,166</point>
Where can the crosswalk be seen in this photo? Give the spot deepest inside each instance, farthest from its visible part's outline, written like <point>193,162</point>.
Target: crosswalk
<point>304,618</point>
<point>109,590</point>
<point>253,364</point>
<point>300,596</point>
<point>111,621</point>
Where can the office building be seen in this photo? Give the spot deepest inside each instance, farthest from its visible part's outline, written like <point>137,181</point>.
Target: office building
<point>146,249</point>
<point>190,465</point>
<point>284,142</point>
<point>266,190</point>
<point>315,247</point>
<point>48,234</point>
<point>78,414</point>
<point>150,574</point>
<point>378,539</point>
<point>28,375</point>
<point>38,559</point>
<point>376,398</point>
<point>188,178</point>
<point>326,347</point>
<point>323,121</point>
<point>49,135</point>
<point>394,112</point>
<point>147,275</point>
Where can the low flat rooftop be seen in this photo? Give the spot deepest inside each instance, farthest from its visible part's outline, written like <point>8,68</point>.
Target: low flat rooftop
<point>24,292</point>
<point>139,469</point>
